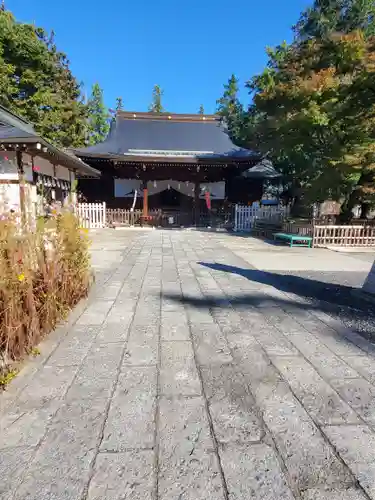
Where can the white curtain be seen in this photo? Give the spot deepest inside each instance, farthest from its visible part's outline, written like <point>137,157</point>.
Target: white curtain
<point>124,188</point>
<point>155,187</point>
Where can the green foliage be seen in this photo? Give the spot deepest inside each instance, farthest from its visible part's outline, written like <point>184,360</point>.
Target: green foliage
<point>313,108</point>
<point>314,114</point>
<point>98,116</point>
<point>119,104</point>
<point>36,82</point>
<point>336,16</point>
<point>230,108</point>
<point>156,105</point>
<point>201,110</point>
<point>7,377</point>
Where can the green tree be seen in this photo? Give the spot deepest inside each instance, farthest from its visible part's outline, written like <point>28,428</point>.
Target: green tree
<point>336,16</point>
<point>230,108</point>
<point>201,110</point>
<point>98,116</point>
<point>156,105</point>
<point>119,104</point>
<point>36,82</point>
<point>313,113</point>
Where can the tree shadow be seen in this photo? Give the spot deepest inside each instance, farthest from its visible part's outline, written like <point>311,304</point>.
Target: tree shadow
<point>337,300</point>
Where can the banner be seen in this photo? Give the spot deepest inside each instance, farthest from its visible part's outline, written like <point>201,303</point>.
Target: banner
<point>208,200</point>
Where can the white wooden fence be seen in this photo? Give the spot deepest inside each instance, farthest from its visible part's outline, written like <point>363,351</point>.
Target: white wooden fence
<point>245,216</point>
<point>344,236</point>
<point>91,215</point>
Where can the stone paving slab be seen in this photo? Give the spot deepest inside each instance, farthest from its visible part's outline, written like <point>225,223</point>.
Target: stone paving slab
<point>194,373</point>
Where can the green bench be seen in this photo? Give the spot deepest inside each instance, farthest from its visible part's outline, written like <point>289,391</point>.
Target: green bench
<point>295,240</point>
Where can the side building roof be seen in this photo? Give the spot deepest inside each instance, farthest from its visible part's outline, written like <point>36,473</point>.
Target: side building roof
<point>14,130</point>
<point>141,135</point>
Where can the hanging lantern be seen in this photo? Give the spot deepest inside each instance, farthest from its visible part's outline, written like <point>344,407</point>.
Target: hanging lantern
<point>179,185</point>
<point>169,186</point>
<point>155,184</point>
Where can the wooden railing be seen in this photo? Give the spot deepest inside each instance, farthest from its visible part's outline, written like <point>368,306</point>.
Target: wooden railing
<point>304,228</point>
<point>344,236</point>
<point>166,218</point>
<point>123,217</point>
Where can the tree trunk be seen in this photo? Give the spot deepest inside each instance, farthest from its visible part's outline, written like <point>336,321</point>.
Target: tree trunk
<point>365,209</point>
<point>346,214</point>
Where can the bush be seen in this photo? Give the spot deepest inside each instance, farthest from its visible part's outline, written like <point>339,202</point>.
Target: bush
<point>43,274</point>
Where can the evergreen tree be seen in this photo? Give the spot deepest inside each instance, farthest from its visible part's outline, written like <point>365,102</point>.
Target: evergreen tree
<point>156,105</point>
<point>36,82</point>
<point>313,114</point>
<point>336,16</point>
<point>230,108</point>
<point>98,116</point>
<point>119,104</point>
<point>201,110</point>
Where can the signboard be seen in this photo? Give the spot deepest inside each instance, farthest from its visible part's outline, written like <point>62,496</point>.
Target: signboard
<point>330,207</point>
<point>369,285</point>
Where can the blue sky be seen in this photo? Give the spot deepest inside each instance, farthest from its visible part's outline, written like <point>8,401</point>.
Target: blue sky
<point>189,48</point>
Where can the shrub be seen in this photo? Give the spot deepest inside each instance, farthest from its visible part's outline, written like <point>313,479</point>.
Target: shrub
<point>43,274</point>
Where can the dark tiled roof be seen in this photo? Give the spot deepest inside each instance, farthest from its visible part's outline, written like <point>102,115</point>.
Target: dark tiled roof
<point>147,133</point>
<point>9,132</point>
<point>15,129</point>
<point>262,170</point>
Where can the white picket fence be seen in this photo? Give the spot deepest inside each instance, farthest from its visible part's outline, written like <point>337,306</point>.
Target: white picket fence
<point>245,216</point>
<point>91,215</point>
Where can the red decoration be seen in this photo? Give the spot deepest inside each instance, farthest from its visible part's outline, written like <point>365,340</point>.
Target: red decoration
<point>36,169</point>
<point>208,199</point>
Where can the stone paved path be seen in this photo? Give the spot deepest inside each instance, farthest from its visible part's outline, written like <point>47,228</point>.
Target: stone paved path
<point>185,379</point>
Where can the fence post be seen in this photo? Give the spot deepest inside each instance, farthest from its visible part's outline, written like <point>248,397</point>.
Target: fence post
<point>104,214</point>
<point>235,218</point>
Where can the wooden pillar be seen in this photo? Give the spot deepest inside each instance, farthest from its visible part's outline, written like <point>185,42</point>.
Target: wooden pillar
<point>145,199</point>
<point>21,180</point>
<point>196,203</point>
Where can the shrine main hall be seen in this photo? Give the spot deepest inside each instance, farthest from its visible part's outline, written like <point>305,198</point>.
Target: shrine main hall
<point>171,162</point>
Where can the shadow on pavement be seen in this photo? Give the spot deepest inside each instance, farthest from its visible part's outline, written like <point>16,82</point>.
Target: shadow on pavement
<point>334,299</point>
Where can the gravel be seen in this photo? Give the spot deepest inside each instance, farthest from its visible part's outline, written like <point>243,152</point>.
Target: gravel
<point>333,294</point>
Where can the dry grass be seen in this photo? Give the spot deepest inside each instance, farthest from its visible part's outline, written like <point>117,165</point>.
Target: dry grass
<point>42,276</point>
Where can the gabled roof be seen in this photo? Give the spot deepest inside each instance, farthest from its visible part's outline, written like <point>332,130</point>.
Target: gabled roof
<point>15,130</point>
<point>166,135</point>
<point>262,170</point>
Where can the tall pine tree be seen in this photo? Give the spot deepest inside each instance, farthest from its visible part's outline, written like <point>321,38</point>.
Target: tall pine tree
<point>230,108</point>
<point>156,105</point>
<point>119,104</point>
<point>98,116</point>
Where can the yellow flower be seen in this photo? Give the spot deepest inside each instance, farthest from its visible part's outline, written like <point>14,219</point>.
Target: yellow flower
<point>21,277</point>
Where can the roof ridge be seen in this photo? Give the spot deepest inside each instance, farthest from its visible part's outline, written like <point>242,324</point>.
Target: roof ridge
<point>173,117</point>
